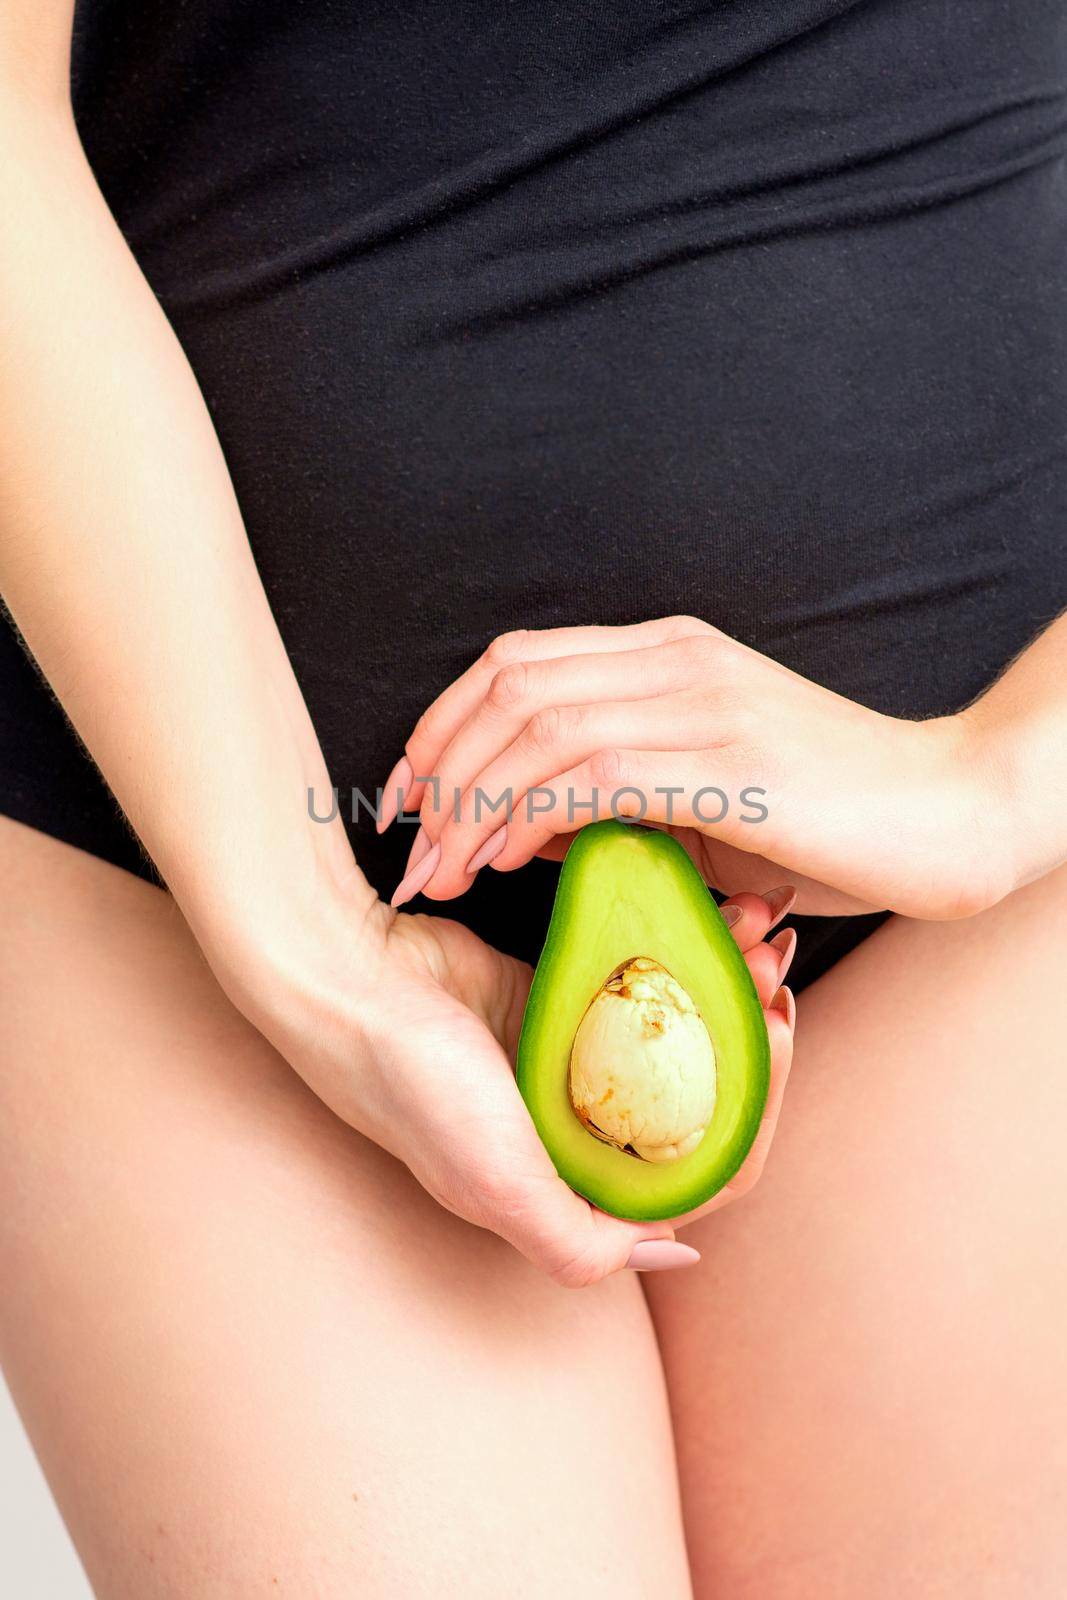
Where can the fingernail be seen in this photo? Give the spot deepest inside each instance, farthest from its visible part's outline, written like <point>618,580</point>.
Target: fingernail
<point>417,878</point>
<point>731,914</point>
<point>781,902</point>
<point>785,1003</point>
<point>786,945</point>
<point>419,846</point>
<point>394,789</point>
<point>660,1255</point>
<point>489,850</point>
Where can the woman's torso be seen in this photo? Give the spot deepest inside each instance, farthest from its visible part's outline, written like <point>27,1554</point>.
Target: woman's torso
<point>531,314</point>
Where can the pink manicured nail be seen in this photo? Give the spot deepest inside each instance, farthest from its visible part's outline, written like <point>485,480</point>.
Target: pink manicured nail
<point>781,902</point>
<point>731,914</point>
<point>394,789</point>
<point>417,878</point>
<point>489,850</point>
<point>419,846</point>
<point>786,1004</point>
<point>786,945</point>
<point>660,1255</point>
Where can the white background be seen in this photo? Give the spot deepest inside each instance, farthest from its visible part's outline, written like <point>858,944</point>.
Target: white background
<point>37,1560</point>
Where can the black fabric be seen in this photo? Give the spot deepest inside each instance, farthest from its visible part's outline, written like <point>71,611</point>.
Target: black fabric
<point>516,315</point>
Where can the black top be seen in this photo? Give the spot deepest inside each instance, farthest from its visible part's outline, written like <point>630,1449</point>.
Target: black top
<point>551,311</point>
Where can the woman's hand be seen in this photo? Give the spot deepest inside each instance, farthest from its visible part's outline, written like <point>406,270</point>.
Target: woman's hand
<point>413,1047</point>
<point>763,773</point>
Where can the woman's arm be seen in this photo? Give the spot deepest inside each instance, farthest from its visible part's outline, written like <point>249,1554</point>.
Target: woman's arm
<point>124,560</point>
<point>687,727</point>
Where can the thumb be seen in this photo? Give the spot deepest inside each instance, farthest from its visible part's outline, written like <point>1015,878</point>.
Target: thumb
<point>573,1242</point>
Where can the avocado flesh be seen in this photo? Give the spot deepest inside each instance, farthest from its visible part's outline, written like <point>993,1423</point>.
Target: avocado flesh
<point>627,892</point>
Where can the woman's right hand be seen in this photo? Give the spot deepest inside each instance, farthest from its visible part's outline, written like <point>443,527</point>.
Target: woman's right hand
<point>415,1052</point>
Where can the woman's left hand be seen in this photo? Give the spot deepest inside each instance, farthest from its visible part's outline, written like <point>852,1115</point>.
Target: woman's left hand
<point>764,774</point>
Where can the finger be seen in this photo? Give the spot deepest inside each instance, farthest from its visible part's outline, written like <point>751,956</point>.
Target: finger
<point>556,848</point>
<point>751,926</point>
<point>571,1241</point>
<point>528,694</point>
<point>780,1034</point>
<point>553,741</point>
<point>769,963</point>
<point>763,963</point>
<point>443,718</point>
<point>688,788</point>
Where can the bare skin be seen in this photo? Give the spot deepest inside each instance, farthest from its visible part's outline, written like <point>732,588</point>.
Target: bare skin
<point>209,1325</point>
<point>866,1369</point>
<point>254,1356</point>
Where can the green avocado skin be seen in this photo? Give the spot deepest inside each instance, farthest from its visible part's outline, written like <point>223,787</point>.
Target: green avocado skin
<point>628,891</point>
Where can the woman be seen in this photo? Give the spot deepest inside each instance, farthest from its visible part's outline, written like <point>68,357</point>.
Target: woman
<point>699,375</point>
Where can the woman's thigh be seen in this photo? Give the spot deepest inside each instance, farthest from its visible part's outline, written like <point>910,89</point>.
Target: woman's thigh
<point>867,1370</point>
<point>253,1356</point>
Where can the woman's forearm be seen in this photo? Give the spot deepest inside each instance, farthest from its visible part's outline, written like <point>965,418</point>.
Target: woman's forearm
<point>125,563</point>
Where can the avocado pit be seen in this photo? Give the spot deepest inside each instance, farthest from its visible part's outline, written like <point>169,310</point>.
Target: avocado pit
<point>642,1067</point>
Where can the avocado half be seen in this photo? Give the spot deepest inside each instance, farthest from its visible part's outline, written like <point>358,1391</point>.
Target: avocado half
<point>624,892</point>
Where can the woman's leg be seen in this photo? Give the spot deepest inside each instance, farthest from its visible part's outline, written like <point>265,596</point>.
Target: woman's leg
<point>867,1371</point>
<point>253,1356</point>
